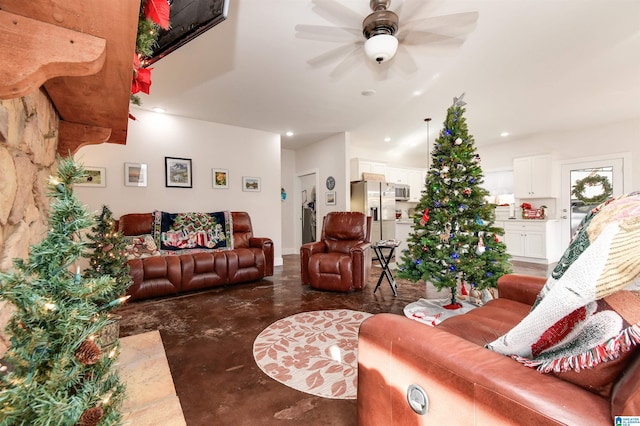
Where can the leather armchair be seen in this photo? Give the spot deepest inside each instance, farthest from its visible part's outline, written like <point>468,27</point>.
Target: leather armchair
<point>341,260</point>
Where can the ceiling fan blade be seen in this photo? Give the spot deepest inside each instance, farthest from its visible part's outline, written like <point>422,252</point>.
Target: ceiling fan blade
<point>410,8</point>
<point>404,60</point>
<point>349,62</point>
<point>326,33</point>
<point>454,24</point>
<point>413,38</point>
<point>338,13</point>
<point>333,55</point>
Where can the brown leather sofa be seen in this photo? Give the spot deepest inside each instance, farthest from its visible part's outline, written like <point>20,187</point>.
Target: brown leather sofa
<point>251,259</point>
<point>341,260</point>
<point>466,384</point>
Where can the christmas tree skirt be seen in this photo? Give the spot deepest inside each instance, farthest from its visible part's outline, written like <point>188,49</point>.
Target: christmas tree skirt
<point>432,311</point>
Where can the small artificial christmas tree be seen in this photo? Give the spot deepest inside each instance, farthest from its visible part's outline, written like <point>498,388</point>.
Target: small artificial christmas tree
<point>108,253</point>
<point>453,240</point>
<point>55,373</point>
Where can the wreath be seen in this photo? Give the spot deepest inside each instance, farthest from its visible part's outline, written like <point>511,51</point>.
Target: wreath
<point>580,186</point>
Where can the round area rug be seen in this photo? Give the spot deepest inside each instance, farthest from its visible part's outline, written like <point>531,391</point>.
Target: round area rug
<point>313,352</point>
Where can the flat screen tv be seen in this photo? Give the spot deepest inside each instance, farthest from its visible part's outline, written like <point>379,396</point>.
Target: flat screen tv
<point>188,19</point>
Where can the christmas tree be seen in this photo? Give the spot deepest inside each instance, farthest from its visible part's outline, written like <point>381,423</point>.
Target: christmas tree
<point>108,253</point>
<point>55,373</point>
<point>454,241</point>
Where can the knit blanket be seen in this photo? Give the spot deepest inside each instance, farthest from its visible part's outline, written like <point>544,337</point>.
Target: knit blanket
<point>192,232</point>
<point>589,309</point>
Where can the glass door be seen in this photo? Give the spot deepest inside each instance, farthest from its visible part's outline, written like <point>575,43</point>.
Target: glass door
<point>585,185</point>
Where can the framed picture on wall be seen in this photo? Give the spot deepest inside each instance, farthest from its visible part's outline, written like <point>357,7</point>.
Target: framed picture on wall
<point>93,176</point>
<point>177,172</point>
<point>220,178</point>
<point>251,184</point>
<point>330,198</point>
<point>135,174</point>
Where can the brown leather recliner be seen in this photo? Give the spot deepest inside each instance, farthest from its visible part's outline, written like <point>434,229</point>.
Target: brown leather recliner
<point>341,260</point>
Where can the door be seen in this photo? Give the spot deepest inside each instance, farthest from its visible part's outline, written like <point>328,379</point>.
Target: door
<point>585,184</point>
<point>308,207</point>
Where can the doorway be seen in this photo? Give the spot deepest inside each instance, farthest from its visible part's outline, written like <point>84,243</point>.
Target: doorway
<point>585,184</point>
<point>307,183</point>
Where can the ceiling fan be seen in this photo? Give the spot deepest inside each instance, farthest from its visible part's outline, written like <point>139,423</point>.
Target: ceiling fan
<point>383,33</point>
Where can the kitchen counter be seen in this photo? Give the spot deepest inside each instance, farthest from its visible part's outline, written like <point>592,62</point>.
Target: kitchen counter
<point>404,221</point>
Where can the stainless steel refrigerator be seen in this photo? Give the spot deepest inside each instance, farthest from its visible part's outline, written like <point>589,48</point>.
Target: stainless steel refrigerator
<point>378,200</point>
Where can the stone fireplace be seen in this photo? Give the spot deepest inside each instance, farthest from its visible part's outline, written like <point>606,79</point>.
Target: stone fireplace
<point>28,146</point>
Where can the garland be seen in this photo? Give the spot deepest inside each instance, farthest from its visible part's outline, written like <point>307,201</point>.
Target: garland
<point>153,15</point>
<point>580,186</point>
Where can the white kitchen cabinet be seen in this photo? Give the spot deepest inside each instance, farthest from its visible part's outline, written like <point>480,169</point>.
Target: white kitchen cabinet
<point>533,177</point>
<point>359,166</point>
<point>532,240</point>
<point>398,175</point>
<point>416,182</point>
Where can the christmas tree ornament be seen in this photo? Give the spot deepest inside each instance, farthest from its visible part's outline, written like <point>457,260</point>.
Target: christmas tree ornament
<point>88,353</point>
<point>425,217</point>
<point>458,141</point>
<point>91,417</point>
<point>480,248</point>
<point>463,289</point>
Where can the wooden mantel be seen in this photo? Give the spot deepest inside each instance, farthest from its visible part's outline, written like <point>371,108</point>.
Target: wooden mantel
<point>82,52</point>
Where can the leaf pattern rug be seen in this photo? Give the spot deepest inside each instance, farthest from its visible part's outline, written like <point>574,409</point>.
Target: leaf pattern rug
<point>314,352</point>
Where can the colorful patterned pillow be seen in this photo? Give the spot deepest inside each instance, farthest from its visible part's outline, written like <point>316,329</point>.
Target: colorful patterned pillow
<point>178,233</point>
<point>588,311</point>
<point>140,246</point>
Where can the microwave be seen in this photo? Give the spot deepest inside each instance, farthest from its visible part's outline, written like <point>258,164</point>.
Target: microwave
<point>402,192</point>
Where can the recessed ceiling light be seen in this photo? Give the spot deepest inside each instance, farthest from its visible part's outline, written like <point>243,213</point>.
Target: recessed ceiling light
<point>504,134</point>
<point>417,92</point>
<point>387,139</point>
<point>368,92</point>
<point>158,109</point>
<point>289,133</point>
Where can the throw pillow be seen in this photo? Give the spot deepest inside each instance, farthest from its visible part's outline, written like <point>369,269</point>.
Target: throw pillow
<point>587,312</point>
<point>139,246</point>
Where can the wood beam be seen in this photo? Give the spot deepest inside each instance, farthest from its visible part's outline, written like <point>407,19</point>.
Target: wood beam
<point>36,51</point>
<point>71,136</point>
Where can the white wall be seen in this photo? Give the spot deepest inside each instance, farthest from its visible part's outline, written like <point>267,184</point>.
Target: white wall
<point>620,137</point>
<point>329,157</point>
<point>244,152</point>
<point>287,178</point>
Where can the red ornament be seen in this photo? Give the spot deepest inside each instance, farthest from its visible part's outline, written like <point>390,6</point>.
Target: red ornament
<point>425,217</point>
<point>467,191</point>
<point>463,290</point>
<point>425,248</point>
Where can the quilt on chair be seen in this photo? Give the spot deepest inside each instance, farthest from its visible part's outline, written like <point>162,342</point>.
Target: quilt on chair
<point>177,233</point>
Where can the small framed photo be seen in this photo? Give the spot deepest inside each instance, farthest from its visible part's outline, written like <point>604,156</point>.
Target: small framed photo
<point>177,172</point>
<point>135,174</point>
<point>220,178</point>
<point>251,184</point>
<point>94,176</point>
<point>330,198</point>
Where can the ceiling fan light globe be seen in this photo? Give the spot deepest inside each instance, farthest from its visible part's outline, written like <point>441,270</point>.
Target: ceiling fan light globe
<point>381,47</point>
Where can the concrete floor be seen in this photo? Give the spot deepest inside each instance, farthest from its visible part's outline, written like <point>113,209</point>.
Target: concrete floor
<point>208,339</point>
